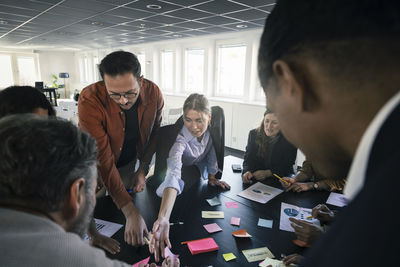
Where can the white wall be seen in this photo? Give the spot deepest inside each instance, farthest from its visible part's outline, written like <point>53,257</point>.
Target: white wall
<point>54,62</point>
<point>241,115</point>
<point>240,118</point>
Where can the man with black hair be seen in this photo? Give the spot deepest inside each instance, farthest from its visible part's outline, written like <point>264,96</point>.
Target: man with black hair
<point>123,114</point>
<point>330,70</point>
<point>47,193</point>
<point>24,99</point>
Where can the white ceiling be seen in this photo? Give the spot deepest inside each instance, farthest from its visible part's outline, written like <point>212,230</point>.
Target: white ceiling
<point>88,24</point>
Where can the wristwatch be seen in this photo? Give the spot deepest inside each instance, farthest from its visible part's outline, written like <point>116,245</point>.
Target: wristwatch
<point>315,185</point>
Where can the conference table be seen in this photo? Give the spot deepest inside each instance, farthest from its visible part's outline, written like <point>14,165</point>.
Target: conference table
<point>188,207</point>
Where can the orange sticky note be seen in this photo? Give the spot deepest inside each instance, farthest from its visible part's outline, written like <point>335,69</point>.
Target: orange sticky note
<point>301,243</point>
<point>241,233</point>
<point>202,246</point>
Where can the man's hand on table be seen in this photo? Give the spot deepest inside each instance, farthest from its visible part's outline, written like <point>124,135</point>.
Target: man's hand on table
<point>135,227</point>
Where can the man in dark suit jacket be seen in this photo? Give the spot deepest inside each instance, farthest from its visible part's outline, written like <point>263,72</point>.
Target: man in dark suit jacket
<point>330,70</point>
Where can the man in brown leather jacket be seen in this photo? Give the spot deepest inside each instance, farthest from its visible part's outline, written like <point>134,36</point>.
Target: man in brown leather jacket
<point>123,114</point>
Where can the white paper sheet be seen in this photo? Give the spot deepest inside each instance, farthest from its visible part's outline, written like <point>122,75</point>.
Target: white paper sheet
<point>260,192</point>
<point>105,228</point>
<point>337,199</point>
<point>293,211</point>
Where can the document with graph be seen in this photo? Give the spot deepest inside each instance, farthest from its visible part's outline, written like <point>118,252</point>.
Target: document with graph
<point>105,228</point>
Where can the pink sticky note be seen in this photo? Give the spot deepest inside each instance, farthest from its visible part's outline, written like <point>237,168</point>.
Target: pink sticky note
<point>202,245</point>
<point>142,262</point>
<point>235,221</point>
<point>232,205</point>
<point>168,253</point>
<point>212,227</point>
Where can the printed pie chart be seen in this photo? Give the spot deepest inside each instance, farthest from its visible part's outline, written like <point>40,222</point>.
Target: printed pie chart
<point>291,212</point>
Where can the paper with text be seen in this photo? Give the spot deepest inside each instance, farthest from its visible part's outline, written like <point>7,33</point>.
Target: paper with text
<point>337,199</point>
<point>293,211</point>
<point>257,254</point>
<point>260,192</point>
<point>105,228</point>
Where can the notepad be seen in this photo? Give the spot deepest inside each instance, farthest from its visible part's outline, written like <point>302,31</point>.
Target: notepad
<point>257,254</point>
<point>212,227</point>
<point>212,214</point>
<point>213,201</point>
<point>202,246</point>
<point>235,221</point>
<point>229,256</point>
<point>232,205</point>
<point>265,223</point>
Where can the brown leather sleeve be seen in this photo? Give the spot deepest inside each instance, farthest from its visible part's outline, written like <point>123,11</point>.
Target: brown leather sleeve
<point>150,149</point>
<point>91,120</point>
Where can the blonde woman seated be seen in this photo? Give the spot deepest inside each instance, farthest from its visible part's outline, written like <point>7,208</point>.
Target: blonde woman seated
<point>194,151</point>
<point>309,179</point>
<point>267,152</point>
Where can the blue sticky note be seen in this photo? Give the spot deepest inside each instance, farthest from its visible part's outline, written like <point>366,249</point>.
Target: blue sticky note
<point>213,201</point>
<point>265,223</point>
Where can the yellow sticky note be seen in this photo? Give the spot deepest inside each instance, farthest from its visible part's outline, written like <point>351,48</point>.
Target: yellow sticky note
<point>212,214</point>
<point>257,254</point>
<point>229,256</point>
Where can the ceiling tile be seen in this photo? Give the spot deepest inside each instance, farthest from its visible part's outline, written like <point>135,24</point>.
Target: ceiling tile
<point>172,28</point>
<point>165,7</point>
<point>188,13</point>
<point>185,3</point>
<point>254,3</point>
<point>218,20</point>
<point>130,13</point>
<point>267,8</point>
<point>249,14</point>
<point>144,24</point>
<point>110,19</point>
<point>192,25</point>
<point>165,19</point>
<point>240,25</point>
<point>88,5</point>
<point>220,7</point>
<point>216,29</point>
<point>19,11</point>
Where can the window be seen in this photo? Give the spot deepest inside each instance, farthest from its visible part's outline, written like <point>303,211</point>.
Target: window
<point>26,71</point>
<point>167,71</point>
<point>81,70</point>
<point>260,95</point>
<point>96,71</point>
<point>231,70</point>
<point>86,67</point>
<point>194,70</point>
<point>6,73</point>
<point>142,60</point>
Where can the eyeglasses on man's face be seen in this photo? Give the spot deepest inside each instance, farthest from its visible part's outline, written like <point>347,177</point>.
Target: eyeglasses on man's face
<point>128,95</point>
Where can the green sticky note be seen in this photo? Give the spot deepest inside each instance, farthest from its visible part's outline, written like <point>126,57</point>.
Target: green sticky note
<point>229,256</point>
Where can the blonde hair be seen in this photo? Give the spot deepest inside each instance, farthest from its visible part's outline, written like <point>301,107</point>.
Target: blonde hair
<point>198,103</point>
